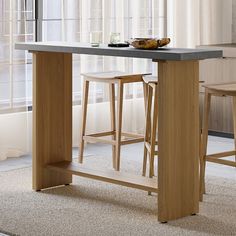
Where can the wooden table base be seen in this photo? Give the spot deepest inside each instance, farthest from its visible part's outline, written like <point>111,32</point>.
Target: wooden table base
<point>109,176</point>
<point>178,139</point>
<point>52,117</point>
<point>178,134</point>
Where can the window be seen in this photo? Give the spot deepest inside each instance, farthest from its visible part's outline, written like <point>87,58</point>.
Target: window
<point>16,24</point>
<point>71,20</point>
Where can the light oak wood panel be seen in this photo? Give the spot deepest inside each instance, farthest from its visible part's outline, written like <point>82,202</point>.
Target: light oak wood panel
<point>216,71</point>
<point>178,139</point>
<point>52,117</point>
<point>220,119</point>
<point>110,176</point>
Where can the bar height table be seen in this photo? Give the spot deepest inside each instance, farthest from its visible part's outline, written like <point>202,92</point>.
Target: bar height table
<point>178,128</point>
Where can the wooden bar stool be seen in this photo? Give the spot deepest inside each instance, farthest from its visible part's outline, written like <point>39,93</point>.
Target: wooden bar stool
<point>221,90</point>
<point>112,78</point>
<point>150,141</point>
<point>150,138</point>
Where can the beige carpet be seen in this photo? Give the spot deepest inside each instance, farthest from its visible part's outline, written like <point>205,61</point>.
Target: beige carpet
<point>89,207</point>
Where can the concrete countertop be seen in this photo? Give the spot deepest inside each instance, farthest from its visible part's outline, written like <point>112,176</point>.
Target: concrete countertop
<point>170,54</point>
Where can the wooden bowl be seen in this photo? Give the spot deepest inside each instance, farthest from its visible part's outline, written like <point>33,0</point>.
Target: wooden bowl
<point>149,43</point>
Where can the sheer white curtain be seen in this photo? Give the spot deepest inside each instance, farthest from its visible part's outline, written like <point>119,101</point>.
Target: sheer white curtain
<point>195,22</point>
<point>183,22</point>
<point>216,21</point>
<point>133,18</point>
<point>16,24</point>
<point>187,22</point>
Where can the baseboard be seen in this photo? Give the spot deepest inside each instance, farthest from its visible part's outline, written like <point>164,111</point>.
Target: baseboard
<point>7,233</point>
<point>221,134</point>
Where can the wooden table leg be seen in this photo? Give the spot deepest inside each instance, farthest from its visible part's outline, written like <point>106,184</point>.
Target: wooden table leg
<point>178,139</point>
<point>52,117</point>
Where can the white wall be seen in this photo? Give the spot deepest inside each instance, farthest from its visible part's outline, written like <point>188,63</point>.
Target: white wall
<point>14,138</point>
<point>16,128</point>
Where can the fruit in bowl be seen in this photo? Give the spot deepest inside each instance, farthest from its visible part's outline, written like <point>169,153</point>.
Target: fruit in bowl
<point>148,43</point>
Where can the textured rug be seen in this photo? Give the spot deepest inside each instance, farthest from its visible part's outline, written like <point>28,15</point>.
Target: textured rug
<point>89,207</point>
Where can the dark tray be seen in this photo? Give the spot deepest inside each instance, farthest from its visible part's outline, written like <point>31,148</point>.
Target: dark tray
<point>118,45</point>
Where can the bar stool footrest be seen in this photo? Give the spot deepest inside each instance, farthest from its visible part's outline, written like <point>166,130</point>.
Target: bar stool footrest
<point>148,146</point>
<point>216,158</point>
<point>130,141</point>
<point>222,154</point>
<point>92,139</point>
<point>96,137</point>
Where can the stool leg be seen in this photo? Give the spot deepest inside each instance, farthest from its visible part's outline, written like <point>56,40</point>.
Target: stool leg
<point>153,132</point>
<point>145,96</point>
<point>234,120</point>
<point>83,121</point>
<point>113,120</point>
<point>204,140</point>
<point>119,123</point>
<point>147,128</point>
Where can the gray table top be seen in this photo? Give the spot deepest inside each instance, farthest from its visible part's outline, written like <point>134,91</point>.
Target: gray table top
<point>169,54</point>
<point>221,45</point>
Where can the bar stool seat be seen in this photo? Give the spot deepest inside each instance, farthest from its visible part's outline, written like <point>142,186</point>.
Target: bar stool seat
<point>150,79</point>
<point>150,140</point>
<point>227,89</point>
<point>113,78</point>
